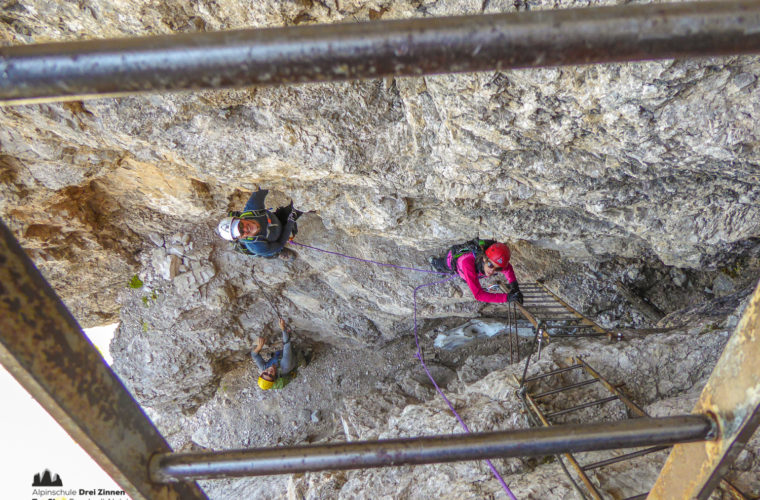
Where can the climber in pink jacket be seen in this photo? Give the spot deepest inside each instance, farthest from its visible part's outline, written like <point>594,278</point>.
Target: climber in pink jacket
<point>478,259</point>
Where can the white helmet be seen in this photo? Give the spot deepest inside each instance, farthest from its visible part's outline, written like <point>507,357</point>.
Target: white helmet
<point>228,228</point>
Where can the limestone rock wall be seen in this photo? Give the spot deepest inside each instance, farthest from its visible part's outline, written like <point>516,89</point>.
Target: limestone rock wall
<point>652,161</point>
<point>632,189</point>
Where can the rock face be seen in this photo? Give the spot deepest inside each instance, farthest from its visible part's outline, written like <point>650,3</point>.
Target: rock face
<point>654,163</point>
<point>631,189</point>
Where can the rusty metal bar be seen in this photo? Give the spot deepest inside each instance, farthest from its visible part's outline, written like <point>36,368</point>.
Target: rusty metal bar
<point>527,314</point>
<point>732,490</point>
<point>576,335</point>
<point>553,372</point>
<point>623,458</point>
<point>538,310</point>
<point>168,467</point>
<point>613,389</point>
<point>547,305</point>
<point>572,327</point>
<point>564,320</point>
<point>546,320</point>
<point>732,396</point>
<point>565,388</point>
<point>580,407</point>
<point>411,47</point>
<point>43,347</point>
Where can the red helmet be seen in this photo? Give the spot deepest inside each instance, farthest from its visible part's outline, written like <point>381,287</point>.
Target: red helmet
<point>499,253</point>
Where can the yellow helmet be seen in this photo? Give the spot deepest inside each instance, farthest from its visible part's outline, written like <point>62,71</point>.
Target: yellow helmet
<point>265,384</point>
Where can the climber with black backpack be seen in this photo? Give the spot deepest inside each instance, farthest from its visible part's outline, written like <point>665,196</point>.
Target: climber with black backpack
<point>259,231</point>
<point>477,259</point>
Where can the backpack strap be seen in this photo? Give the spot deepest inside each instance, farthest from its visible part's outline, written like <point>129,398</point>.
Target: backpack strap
<point>240,248</point>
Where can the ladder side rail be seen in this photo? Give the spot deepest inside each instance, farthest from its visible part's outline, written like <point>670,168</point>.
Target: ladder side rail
<point>626,401</point>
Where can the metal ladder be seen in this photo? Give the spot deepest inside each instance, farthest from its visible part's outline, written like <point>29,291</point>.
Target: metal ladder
<point>548,314</point>
<point>553,319</point>
<point>538,394</point>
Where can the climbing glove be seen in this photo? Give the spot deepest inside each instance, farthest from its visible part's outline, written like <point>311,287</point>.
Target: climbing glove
<point>515,296</point>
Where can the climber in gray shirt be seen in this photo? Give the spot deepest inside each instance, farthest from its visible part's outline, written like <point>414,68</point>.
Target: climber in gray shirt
<point>279,370</point>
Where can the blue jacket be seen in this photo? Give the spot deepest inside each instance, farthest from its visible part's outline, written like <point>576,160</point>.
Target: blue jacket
<point>263,365</point>
<point>270,240</point>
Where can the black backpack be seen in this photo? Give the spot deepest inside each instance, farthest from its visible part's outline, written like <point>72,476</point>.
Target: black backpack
<point>476,247</point>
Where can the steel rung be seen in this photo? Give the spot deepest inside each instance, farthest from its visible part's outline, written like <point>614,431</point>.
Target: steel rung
<point>622,458</point>
<point>553,372</point>
<point>566,388</point>
<point>612,388</point>
<point>572,335</point>
<point>546,320</point>
<point>580,407</point>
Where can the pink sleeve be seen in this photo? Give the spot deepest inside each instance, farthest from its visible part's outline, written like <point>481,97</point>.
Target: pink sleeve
<point>509,273</point>
<point>466,269</point>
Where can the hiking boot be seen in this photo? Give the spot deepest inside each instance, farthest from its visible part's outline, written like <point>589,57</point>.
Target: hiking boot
<point>287,254</point>
<point>438,264</point>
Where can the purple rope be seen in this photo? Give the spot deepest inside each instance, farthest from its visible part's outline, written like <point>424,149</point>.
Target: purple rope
<point>366,260</point>
<point>418,355</point>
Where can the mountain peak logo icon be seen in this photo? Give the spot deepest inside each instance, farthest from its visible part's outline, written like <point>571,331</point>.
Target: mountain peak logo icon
<point>46,480</point>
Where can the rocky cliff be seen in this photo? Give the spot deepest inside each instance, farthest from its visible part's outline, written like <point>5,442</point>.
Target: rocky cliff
<point>631,189</point>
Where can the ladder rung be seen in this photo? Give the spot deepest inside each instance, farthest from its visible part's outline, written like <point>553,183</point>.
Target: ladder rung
<point>579,407</point>
<point>566,388</point>
<point>553,372</point>
<point>564,318</point>
<point>570,335</point>
<point>557,318</point>
<point>571,327</point>
<point>622,458</point>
